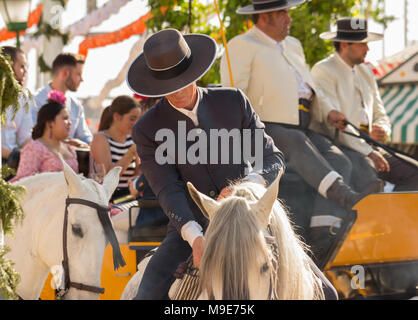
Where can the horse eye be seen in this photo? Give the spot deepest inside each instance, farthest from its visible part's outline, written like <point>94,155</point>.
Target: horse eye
<point>264,268</point>
<point>76,228</point>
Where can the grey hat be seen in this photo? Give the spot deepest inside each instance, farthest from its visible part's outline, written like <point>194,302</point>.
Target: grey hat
<point>260,6</point>
<point>170,62</point>
<point>351,30</point>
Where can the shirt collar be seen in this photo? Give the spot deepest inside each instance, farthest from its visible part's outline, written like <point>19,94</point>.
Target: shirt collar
<point>267,37</point>
<point>345,64</point>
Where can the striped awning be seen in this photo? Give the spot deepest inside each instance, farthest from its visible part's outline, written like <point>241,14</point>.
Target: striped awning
<point>401,103</point>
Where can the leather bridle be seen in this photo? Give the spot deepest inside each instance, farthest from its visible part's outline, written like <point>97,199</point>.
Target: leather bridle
<point>104,218</point>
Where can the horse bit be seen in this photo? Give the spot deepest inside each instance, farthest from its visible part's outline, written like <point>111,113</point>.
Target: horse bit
<point>104,218</point>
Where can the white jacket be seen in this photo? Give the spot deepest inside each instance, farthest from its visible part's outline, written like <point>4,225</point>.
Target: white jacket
<point>262,71</point>
<point>338,81</point>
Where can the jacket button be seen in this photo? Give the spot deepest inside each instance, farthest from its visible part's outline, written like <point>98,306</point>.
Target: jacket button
<point>212,193</point>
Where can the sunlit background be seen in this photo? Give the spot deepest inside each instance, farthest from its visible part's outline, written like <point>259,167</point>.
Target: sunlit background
<point>103,64</point>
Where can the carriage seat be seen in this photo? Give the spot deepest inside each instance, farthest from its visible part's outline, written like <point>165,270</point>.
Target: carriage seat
<point>151,223</point>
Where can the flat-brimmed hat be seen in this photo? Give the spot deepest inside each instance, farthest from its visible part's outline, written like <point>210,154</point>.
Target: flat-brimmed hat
<point>351,30</point>
<point>170,62</point>
<point>260,6</point>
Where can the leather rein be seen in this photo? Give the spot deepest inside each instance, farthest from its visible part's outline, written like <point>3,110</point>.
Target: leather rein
<point>104,218</point>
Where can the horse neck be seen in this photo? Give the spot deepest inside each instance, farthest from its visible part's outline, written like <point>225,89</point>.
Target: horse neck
<point>43,217</point>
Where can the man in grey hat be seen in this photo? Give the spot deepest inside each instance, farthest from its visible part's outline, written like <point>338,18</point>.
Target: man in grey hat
<point>169,66</point>
<point>270,67</point>
<point>351,87</point>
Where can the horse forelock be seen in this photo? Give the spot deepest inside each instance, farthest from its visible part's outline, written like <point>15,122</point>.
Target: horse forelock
<point>233,225</point>
<point>234,249</point>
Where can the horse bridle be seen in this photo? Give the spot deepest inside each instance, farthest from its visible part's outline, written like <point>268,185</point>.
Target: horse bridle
<point>271,241</point>
<point>104,218</point>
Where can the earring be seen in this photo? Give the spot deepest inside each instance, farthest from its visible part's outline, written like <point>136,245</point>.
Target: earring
<point>50,132</point>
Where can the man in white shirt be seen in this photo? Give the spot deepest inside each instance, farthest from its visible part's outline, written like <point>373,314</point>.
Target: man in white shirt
<point>270,67</point>
<point>67,69</point>
<point>16,132</point>
<point>351,87</point>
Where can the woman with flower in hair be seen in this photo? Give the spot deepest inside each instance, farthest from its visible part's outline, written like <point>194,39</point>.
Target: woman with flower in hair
<point>44,153</point>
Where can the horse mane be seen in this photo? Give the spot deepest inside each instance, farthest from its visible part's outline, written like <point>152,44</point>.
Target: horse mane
<point>232,238</point>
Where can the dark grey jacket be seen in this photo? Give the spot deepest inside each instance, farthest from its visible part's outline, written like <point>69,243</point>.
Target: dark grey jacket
<point>220,108</point>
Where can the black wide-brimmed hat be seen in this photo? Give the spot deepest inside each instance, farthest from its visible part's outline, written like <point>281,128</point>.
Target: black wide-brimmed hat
<point>351,30</point>
<point>170,62</point>
<point>260,6</point>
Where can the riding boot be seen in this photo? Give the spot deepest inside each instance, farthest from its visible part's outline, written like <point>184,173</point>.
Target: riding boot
<point>346,197</point>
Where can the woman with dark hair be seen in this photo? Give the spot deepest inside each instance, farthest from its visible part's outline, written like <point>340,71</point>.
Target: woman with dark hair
<point>113,146</point>
<point>45,152</point>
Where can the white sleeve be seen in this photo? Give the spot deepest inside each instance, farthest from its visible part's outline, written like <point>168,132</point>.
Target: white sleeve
<point>190,231</point>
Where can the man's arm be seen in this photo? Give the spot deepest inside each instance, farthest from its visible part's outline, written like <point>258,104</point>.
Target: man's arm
<point>240,56</point>
<point>164,180</point>
<point>325,81</point>
<point>381,129</point>
<point>82,132</point>
<point>5,153</point>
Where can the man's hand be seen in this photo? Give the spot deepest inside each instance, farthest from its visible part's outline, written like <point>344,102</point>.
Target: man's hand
<point>133,191</point>
<point>378,133</point>
<point>225,192</point>
<point>198,248</point>
<point>336,118</point>
<point>380,163</point>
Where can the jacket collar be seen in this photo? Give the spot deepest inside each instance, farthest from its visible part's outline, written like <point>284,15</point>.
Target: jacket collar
<point>260,35</point>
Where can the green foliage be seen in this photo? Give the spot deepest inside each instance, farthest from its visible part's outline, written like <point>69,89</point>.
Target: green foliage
<point>309,20</point>
<point>10,210</point>
<point>9,278</point>
<point>10,89</point>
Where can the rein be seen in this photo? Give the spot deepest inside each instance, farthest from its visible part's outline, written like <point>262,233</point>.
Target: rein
<point>104,218</point>
<point>394,152</point>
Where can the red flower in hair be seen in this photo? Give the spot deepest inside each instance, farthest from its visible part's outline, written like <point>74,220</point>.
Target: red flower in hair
<point>56,96</point>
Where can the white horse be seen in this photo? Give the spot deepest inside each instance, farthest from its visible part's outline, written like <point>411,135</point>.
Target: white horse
<point>251,250</point>
<point>37,244</point>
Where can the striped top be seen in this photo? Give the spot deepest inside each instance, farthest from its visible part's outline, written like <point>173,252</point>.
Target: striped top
<point>117,151</point>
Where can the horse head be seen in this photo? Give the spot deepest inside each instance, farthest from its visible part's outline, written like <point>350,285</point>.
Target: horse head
<point>239,260</point>
<point>37,246</point>
<point>252,251</point>
<point>86,237</point>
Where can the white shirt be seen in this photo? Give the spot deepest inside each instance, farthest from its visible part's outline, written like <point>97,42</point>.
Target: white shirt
<point>18,130</point>
<point>304,90</point>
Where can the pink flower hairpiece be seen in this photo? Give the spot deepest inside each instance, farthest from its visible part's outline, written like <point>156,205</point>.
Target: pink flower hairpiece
<point>56,96</point>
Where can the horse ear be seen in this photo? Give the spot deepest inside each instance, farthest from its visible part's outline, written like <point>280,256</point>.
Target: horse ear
<point>73,181</point>
<point>264,206</point>
<point>207,205</point>
<point>111,180</point>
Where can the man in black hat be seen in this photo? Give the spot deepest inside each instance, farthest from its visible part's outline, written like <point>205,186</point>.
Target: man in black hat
<point>169,67</point>
<point>350,85</point>
<point>270,67</point>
